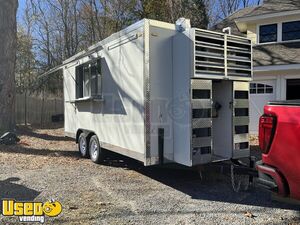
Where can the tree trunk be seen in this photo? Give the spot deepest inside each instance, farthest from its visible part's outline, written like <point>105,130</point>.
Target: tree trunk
<point>8,31</point>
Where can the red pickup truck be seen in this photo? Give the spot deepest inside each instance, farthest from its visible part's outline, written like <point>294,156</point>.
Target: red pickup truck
<point>279,141</point>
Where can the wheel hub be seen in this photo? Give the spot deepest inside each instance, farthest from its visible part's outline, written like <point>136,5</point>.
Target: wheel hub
<point>94,149</point>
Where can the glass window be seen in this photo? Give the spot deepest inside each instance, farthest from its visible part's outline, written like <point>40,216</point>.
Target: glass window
<point>79,82</point>
<point>292,89</point>
<point>260,88</point>
<point>252,88</point>
<point>268,33</point>
<point>291,31</point>
<point>94,75</point>
<point>88,80</point>
<point>256,88</point>
<point>269,89</point>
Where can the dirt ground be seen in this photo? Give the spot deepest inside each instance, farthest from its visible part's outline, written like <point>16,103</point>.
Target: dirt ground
<point>46,165</point>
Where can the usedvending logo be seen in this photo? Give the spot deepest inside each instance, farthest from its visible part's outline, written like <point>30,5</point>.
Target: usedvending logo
<point>31,211</point>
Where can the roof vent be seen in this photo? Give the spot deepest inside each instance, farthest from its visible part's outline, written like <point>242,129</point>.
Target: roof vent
<point>227,30</point>
<point>183,24</point>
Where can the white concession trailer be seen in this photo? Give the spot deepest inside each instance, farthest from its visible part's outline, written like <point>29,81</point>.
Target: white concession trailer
<point>161,93</point>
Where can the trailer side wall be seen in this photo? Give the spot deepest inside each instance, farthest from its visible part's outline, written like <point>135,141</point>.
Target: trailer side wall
<point>117,120</point>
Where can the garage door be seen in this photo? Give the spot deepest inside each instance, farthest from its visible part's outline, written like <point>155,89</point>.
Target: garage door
<point>261,92</point>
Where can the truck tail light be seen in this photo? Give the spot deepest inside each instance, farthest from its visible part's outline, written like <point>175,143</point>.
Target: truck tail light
<point>267,126</point>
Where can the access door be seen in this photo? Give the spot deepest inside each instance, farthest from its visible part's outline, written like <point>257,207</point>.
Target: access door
<point>201,100</point>
<point>241,147</point>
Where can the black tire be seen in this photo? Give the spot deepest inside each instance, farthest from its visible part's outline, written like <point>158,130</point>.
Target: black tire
<point>83,146</point>
<point>95,150</point>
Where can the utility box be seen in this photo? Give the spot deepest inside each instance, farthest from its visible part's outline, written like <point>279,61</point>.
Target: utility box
<point>162,93</point>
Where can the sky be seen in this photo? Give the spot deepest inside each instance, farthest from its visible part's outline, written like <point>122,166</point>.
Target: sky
<point>22,5</point>
<point>21,8</point>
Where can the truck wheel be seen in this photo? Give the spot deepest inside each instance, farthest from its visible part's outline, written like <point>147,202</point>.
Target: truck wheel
<point>95,150</point>
<point>83,145</point>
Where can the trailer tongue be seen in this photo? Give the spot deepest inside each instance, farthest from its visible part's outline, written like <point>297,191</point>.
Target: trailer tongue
<point>161,93</point>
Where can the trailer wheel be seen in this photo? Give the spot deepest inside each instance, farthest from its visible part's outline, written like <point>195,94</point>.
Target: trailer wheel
<point>95,150</point>
<point>83,145</point>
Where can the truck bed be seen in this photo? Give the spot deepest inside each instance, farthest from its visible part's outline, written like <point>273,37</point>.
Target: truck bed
<point>281,159</point>
<point>289,102</point>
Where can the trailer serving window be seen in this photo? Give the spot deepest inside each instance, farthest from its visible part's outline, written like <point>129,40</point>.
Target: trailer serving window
<point>89,80</point>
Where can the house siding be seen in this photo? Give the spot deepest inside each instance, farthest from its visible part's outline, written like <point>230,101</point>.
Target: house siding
<point>274,63</point>
<point>251,33</point>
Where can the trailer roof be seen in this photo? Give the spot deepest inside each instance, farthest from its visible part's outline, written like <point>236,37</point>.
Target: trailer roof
<point>98,46</point>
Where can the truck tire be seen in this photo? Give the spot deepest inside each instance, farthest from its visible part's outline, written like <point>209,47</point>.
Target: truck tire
<point>83,145</point>
<point>95,150</point>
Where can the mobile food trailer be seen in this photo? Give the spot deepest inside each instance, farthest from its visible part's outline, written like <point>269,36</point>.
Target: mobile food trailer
<point>161,93</point>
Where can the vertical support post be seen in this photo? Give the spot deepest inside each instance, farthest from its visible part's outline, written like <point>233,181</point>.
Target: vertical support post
<point>161,134</point>
<point>225,56</point>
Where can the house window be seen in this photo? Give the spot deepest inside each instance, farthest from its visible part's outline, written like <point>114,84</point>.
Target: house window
<point>292,89</point>
<point>291,31</point>
<point>268,33</point>
<point>257,88</point>
<point>88,80</point>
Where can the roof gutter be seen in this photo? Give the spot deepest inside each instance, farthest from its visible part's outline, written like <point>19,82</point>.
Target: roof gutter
<point>268,16</point>
<point>276,67</point>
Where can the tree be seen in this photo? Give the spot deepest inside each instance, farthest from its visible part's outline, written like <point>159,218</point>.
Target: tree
<point>8,27</point>
<point>228,7</point>
<point>224,8</point>
<point>171,10</point>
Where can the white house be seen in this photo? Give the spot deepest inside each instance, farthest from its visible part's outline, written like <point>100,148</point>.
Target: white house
<point>274,28</point>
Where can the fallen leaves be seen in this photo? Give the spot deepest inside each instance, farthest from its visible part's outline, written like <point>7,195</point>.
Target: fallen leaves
<point>24,143</point>
<point>249,215</point>
<point>73,207</point>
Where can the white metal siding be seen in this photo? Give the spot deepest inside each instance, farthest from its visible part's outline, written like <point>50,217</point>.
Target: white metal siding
<point>161,92</point>
<point>119,119</point>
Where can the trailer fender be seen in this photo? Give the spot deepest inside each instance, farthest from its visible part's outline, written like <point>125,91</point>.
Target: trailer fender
<point>88,134</point>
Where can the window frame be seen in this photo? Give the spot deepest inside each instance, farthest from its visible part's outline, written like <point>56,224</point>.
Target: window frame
<point>261,89</point>
<point>81,82</point>
<point>282,30</point>
<point>277,33</point>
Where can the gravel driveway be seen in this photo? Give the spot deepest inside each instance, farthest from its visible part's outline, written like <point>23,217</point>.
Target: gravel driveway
<point>46,165</point>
